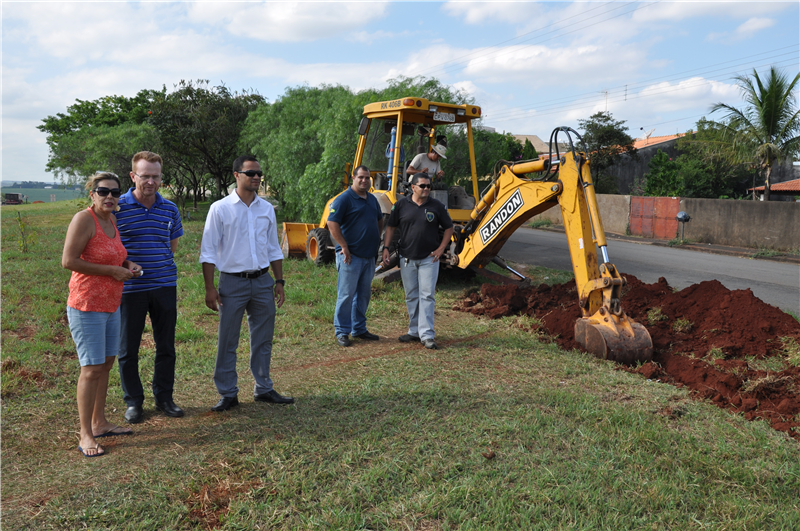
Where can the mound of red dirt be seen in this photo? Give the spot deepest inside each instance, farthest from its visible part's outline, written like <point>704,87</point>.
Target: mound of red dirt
<point>726,346</point>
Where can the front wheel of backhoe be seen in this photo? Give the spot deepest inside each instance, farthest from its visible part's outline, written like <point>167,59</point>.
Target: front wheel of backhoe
<point>317,247</point>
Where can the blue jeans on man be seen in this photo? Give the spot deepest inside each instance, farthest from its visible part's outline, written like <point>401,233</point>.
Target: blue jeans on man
<point>419,281</point>
<point>354,290</point>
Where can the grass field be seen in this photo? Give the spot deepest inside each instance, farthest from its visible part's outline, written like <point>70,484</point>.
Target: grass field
<point>498,429</point>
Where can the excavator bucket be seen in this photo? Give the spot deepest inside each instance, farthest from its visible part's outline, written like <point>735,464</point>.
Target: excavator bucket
<point>614,338</point>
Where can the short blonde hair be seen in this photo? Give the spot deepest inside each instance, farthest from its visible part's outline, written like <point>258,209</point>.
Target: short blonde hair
<point>102,176</point>
<point>149,156</point>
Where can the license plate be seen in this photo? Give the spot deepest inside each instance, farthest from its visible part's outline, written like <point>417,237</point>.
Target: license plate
<point>444,117</point>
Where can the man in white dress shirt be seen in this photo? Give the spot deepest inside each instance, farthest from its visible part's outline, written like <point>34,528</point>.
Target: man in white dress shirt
<point>240,239</point>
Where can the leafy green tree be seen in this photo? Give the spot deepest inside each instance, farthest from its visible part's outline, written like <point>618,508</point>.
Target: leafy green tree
<point>766,129</point>
<point>725,175</point>
<point>200,126</point>
<point>86,139</point>
<point>528,151</point>
<point>607,141</point>
<point>490,149</point>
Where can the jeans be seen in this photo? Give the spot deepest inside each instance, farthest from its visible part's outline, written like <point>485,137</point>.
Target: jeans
<point>162,305</point>
<point>96,335</point>
<point>419,282</point>
<point>354,289</point>
<point>257,297</point>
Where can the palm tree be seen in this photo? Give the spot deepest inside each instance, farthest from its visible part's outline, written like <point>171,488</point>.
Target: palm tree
<point>769,125</point>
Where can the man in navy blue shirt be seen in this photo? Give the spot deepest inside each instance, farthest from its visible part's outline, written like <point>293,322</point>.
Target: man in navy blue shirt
<point>149,227</point>
<point>355,223</point>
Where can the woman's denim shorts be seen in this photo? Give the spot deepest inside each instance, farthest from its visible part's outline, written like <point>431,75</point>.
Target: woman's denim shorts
<point>96,335</point>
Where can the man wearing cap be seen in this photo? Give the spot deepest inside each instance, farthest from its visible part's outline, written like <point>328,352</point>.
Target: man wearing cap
<point>355,222</point>
<point>428,163</point>
<point>419,218</point>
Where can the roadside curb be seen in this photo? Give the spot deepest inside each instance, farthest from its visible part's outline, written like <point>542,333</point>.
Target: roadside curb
<point>741,252</point>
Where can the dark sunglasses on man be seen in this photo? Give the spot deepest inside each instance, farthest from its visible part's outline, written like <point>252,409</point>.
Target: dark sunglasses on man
<point>102,191</point>
<point>252,173</point>
<point>423,186</point>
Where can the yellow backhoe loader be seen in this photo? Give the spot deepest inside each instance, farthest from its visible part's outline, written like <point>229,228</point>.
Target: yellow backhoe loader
<point>523,190</point>
<point>485,222</point>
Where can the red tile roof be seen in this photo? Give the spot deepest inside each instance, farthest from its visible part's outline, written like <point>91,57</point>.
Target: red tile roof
<point>639,143</point>
<point>788,186</point>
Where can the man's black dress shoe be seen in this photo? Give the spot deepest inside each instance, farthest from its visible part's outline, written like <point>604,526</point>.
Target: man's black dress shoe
<point>274,397</point>
<point>367,336</point>
<point>225,403</point>
<point>134,414</point>
<point>169,408</point>
<point>343,341</point>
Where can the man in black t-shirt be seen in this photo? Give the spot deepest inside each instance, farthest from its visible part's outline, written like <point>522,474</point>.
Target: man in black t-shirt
<point>418,218</point>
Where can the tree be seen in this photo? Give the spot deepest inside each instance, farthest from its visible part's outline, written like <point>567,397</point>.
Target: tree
<point>200,126</point>
<point>91,135</point>
<point>724,174</point>
<point>528,151</point>
<point>607,141</point>
<point>766,129</point>
<point>490,148</point>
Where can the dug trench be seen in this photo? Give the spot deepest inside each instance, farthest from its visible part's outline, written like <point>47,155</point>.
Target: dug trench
<point>726,346</point>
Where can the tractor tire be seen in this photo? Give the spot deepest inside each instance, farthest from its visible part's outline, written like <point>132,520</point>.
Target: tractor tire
<point>317,247</point>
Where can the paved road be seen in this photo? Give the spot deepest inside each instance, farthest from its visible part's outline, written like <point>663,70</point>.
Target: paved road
<point>776,283</point>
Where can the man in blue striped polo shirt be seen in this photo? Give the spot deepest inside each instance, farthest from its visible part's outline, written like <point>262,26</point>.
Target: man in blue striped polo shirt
<point>149,226</point>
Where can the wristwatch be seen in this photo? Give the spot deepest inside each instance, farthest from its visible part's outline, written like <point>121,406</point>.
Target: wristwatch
<point>280,281</point>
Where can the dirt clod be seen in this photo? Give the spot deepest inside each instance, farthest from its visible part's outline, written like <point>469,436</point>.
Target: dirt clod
<point>742,331</point>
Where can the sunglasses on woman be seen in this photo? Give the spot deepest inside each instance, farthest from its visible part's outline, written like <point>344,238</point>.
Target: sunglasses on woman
<point>103,191</point>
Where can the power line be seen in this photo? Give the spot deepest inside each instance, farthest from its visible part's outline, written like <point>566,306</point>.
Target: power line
<point>591,96</point>
<point>591,104</point>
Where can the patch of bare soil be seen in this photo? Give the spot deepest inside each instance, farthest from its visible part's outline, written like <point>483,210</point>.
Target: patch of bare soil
<point>715,341</point>
<point>210,503</point>
<point>11,366</point>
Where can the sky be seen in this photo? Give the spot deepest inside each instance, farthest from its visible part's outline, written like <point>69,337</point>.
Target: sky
<point>531,66</point>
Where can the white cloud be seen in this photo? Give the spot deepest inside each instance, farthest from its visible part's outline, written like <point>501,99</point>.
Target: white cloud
<point>540,65</point>
<point>380,35</point>
<point>477,13</point>
<point>752,26</point>
<point>745,31</point>
<point>80,32</point>
<point>468,87</point>
<point>678,11</point>
<point>288,21</point>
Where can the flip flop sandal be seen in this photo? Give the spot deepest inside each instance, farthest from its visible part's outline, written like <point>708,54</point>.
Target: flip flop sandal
<point>96,447</point>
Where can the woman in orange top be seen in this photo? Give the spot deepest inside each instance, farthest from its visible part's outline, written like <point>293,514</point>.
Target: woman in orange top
<point>97,258</point>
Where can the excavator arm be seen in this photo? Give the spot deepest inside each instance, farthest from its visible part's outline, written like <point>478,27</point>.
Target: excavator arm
<point>604,329</point>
